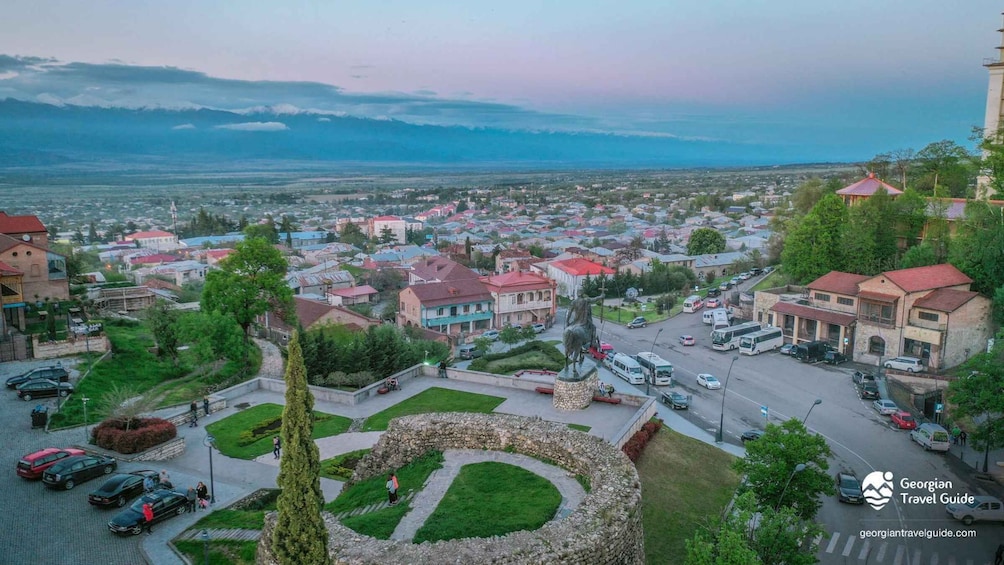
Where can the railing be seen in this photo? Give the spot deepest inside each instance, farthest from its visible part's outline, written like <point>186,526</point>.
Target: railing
<point>889,322</point>
<point>927,324</point>
<point>458,319</point>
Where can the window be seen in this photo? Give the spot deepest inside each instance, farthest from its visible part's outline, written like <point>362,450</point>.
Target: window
<point>877,312</point>
<point>759,316</point>
<point>822,297</point>
<point>845,301</point>
<point>929,316</point>
<point>477,308</point>
<point>439,312</point>
<point>467,308</point>
<point>512,299</point>
<point>876,345</point>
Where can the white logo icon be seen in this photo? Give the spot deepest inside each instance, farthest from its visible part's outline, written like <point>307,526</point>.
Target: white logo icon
<point>877,488</point>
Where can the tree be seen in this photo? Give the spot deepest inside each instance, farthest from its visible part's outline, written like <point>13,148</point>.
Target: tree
<point>919,256</point>
<point>944,163</point>
<point>910,214</point>
<point>352,234</point>
<point>92,233</point>
<point>387,235</point>
<point>815,246</point>
<point>704,241</point>
<point>163,322</point>
<point>510,335</point>
<point>249,282</point>
<point>264,231</point>
<point>991,160</point>
<point>300,536</point>
<point>806,195</point>
<point>771,460</point>
<point>870,238</point>
<point>997,309</point>
<point>902,160</point>
<point>978,247</point>
<point>980,398</point>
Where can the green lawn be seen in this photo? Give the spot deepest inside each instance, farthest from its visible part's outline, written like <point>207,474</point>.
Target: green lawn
<point>228,430</point>
<point>434,399</point>
<point>623,314</point>
<point>379,524</point>
<point>775,279</point>
<point>685,484</point>
<point>528,360</point>
<point>239,519</point>
<point>410,477</point>
<point>478,503</point>
<point>221,552</point>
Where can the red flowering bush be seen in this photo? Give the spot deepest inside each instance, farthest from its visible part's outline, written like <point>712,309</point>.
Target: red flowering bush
<point>143,433</point>
<point>639,440</point>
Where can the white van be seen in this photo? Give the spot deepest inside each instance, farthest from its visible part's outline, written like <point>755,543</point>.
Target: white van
<point>693,303</point>
<point>931,437</point>
<point>627,368</point>
<point>708,317</point>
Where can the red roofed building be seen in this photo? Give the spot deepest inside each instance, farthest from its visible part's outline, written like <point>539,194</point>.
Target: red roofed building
<point>455,307</point>
<point>311,314</point>
<point>438,269</point>
<point>863,189</point>
<point>20,226</point>
<point>155,259</point>
<point>156,239</point>
<point>569,274</point>
<point>522,298</point>
<point>924,312</point>
<point>44,271</point>
<point>353,295</point>
<point>11,298</point>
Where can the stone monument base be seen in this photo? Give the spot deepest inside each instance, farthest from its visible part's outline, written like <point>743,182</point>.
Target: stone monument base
<point>576,395</point>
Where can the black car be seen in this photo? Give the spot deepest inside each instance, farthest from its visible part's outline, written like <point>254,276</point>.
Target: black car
<point>77,469</point>
<point>675,400</point>
<point>43,387</point>
<point>714,292</point>
<point>121,487</point>
<point>869,391</point>
<point>860,377</point>
<point>751,435</point>
<point>834,357</point>
<point>53,373</point>
<point>849,489</point>
<point>165,503</point>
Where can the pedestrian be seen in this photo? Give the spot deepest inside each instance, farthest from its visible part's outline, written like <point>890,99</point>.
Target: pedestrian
<point>194,409</point>
<point>962,437</point>
<point>610,390</point>
<point>203,494</point>
<point>442,369</point>
<point>205,406</point>
<point>165,479</point>
<point>955,434</point>
<point>190,495</point>
<point>392,489</point>
<point>148,518</point>
<point>999,556</point>
<point>148,483</point>
<point>276,446</point>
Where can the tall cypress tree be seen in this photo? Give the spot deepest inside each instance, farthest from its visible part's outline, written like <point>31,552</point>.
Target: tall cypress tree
<point>300,537</point>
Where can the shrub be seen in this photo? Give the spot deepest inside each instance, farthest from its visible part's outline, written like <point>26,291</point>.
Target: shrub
<point>143,433</point>
<point>556,357</point>
<point>636,445</point>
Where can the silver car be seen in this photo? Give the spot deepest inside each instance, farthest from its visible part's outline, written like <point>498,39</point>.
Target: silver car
<point>885,407</point>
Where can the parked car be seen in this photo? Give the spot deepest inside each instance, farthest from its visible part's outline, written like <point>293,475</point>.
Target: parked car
<point>768,270</point>
<point>121,487</point>
<point>885,406</point>
<point>735,281</point>
<point>687,340</point>
<point>43,387</point>
<point>982,508</point>
<point>539,328</point>
<point>745,275</point>
<point>903,420</point>
<point>603,352</point>
<point>834,357</point>
<point>908,364</point>
<point>755,271</point>
<point>54,373</point>
<point>787,349</point>
<point>469,351</point>
<point>165,504</point>
<point>708,381</point>
<point>713,292</point>
<point>713,303</point>
<point>931,437</point>
<point>751,435</point>
<point>675,400</point>
<point>491,334</point>
<point>638,322</point>
<point>868,391</point>
<point>78,469</point>
<point>849,489</point>
<point>33,465</point>
<point>860,377</point>
<point>725,286</point>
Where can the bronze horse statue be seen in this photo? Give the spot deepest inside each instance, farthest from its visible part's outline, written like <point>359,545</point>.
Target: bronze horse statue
<point>580,332</point>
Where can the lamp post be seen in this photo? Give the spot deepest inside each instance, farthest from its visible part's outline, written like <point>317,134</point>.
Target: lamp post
<point>204,536</point>
<point>85,399</point>
<point>719,438</point>
<point>814,404</point>
<point>651,376</point>
<point>798,469</point>
<point>210,442</point>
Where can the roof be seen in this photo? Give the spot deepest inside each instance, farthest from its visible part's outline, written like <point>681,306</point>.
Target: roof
<point>838,282</point>
<point>808,312</point>
<point>148,235</point>
<point>578,267</point>
<point>867,187</point>
<point>717,259</point>
<point>517,280</point>
<point>309,311</point>
<point>20,224</point>
<point>152,259</point>
<point>8,242</point>
<point>354,291</point>
<point>877,296</point>
<point>926,278</point>
<point>441,268</point>
<point>452,292</point>
<point>945,299</point>
<point>387,219</point>
<point>954,208</point>
<point>6,269</point>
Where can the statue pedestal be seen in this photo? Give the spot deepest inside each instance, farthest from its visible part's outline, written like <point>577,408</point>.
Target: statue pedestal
<point>576,394</point>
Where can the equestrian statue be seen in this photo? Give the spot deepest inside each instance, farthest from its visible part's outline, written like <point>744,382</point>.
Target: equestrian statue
<point>580,333</point>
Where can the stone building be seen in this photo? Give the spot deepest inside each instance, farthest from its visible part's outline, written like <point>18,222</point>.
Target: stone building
<point>522,298</point>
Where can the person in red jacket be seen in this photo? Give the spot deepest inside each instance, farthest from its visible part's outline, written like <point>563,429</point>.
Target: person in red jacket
<point>147,517</point>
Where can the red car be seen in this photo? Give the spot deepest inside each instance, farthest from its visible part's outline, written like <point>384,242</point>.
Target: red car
<point>903,420</point>
<point>33,465</point>
<point>601,353</point>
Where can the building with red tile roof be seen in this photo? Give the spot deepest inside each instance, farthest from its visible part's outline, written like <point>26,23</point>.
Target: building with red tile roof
<point>363,294</point>
<point>522,298</point>
<point>569,274</point>
<point>455,307</point>
<point>865,188</point>
<point>44,272</point>
<point>438,269</point>
<point>20,226</point>
<point>312,314</point>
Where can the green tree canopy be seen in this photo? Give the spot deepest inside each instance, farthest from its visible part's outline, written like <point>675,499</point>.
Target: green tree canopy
<point>979,397</point>
<point>919,256</point>
<point>944,164</point>
<point>978,247</point>
<point>815,246</point>
<point>352,234</point>
<point>705,240</point>
<point>869,241</point>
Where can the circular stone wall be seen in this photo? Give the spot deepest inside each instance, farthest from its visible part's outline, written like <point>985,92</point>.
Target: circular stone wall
<point>605,528</point>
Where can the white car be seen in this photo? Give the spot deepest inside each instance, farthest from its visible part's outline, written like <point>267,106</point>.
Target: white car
<point>708,381</point>
<point>908,364</point>
<point>539,328</point>
<point>713,303</point>
<point>985,508</point>
<point>885,407</point>
<point>491,334</point>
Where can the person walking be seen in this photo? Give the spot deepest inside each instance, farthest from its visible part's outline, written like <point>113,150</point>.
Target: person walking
<point>205,406</point>
<point>148,484</point>
<point>165,479</point>
<point>955,434</point>
<point>276,446</point>
<point>194,409</point>
<point>392,489</point>
<point>190,495</point>
<point>962,438</point>
<point>148,518</point>
<point>202,493</point>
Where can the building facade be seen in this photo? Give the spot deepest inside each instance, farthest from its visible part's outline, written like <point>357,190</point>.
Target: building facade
<point>522,298</point>
<point>397,227</point>
<point>155,239</point>
<point>568,274</point>
<point>452,308</point>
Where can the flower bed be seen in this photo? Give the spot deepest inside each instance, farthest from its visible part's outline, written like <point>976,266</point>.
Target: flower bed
<point>142,434</point>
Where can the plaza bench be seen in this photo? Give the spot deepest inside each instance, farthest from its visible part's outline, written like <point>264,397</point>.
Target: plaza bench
<point>606,399</point>
<point>544,390</point>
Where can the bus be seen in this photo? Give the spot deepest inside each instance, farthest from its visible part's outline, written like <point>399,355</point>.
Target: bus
<point>652,364</point>
<point>720,319</point>
<point>727,339</point>
<point>763,340</point>
<point>627,368</point>
<point>692,304</point>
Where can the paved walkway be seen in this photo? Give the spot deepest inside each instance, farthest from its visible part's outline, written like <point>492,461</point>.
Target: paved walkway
<point>334,445</point>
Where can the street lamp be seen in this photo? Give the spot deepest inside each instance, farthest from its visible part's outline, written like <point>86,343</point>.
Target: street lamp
<point>719,438</point>
<point>651,376</point>
<point>85,399</point>
<point>814,404</point>
<point>210,442</point>
<point>204,536</point>
<point>798,469</point>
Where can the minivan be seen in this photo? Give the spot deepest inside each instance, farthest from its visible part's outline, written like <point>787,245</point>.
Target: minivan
<point>469,351</point>
<point>908,364</point>
<point>811,352</point>
<point>693,303</point>
<point>931,437</point>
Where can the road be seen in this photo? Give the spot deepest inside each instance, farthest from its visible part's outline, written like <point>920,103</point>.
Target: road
<point>862,441</point>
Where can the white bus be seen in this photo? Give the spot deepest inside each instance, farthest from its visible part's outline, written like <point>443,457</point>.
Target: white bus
<point>720,318</point>
<point>627,368</point>
<point>763,340</point>
<point>727,339</point>
<point>692,304</point>
<point>652,364</point>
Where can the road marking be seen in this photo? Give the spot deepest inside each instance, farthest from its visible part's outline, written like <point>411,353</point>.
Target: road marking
<point>934,559</point>
<point>864,549</point>
<point>898,560</point>
<point>916,558</point>
<point>848,546</point>
<point>833,542</point>
<point>881,551</point>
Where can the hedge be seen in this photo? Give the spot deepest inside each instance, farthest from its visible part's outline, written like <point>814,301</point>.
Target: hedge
<point>143,433</point>
<point>639,440</point>
<point>481,363</point>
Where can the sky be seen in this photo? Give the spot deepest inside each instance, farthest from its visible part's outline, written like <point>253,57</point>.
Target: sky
<point>848,78</point>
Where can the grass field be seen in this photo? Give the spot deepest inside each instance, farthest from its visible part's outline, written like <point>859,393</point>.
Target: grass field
<point>528,360</point>
<point>228,430</point>
<point>221,552</point>
<point>340,467</point>
<point>410,477</point>
<point>685,485</point>
<point>434,399</point>
<point>775,279</point>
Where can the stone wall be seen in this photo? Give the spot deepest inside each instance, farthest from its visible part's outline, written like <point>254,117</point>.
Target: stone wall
<point>575,395</point>
<point>606,528</point>
<point>77,346</point>
<point>164,451</point>
<point>184,414</point>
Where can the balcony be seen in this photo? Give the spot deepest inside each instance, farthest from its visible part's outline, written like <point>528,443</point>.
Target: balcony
<point>524,306</point>
<point>458,319</point>
<point>877,320</point>
<point>927,324</point>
